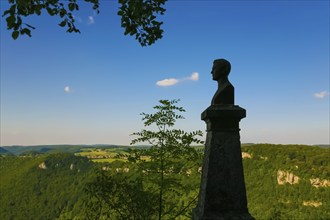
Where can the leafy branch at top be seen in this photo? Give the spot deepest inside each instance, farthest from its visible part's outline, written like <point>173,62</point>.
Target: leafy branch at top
<point>138,17</point>
<point>23,8</point>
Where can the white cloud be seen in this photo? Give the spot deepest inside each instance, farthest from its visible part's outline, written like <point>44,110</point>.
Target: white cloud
<point>67,89</point>
<point>167,82</point>
<point>90,20</point>
<point>194,76</point>
<point>321,95</point>
<point>172,81</point>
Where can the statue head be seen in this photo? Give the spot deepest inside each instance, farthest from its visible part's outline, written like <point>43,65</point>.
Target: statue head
<point>221,68</point>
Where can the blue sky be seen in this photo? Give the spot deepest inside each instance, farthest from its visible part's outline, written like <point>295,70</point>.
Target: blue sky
<point>89,88</point>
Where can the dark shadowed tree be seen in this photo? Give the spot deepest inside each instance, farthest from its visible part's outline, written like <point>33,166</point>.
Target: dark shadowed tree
<point>169,157</point>
<point>138,17</point>
<point>166,173</point>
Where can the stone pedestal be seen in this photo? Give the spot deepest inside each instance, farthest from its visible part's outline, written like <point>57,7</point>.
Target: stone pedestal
<point>222,192</point>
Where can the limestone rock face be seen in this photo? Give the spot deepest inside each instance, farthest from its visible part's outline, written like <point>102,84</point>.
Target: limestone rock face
<point>319,183</point>
<point>43,166</point>
<point>286,177</point>
<point>263,158</point>
<point>106,168</point>
<point>246,155</point>
<point>122,170</point>
<point>312,203</point>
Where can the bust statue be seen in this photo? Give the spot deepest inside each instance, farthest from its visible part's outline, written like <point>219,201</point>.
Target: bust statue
<point>225,93</point>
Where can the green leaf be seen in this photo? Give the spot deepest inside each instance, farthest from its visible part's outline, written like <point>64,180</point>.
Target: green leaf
<point>11,21</point>
<point>6,12</point>
<point>71,6</point>
<point>63,12</point>
<point>26,31</point>
<point>38,9</point>
<point>15,35</point>
<point>19,20</point>
<point>63,23</point>
<point>51,11</point>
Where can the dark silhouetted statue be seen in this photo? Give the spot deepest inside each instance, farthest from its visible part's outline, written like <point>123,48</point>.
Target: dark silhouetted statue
<point>222,192</point>
<point>225,93</point>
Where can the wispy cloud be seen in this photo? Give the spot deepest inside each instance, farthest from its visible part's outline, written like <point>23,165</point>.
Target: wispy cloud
<point>167,82</point>
<point>172,81</point>
<point>321,95</point>
<point>90,20</point>
<point>67,89</point>
<point>194,76</point>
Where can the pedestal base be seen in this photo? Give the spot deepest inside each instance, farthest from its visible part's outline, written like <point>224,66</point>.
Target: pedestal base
<point>222,192</point>
<point>221,216</point>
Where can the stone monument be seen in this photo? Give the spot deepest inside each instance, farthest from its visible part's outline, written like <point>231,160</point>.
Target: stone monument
<point>222,190</point>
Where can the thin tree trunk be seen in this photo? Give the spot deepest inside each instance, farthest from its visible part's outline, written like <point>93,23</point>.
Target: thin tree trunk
<point>161,191</point>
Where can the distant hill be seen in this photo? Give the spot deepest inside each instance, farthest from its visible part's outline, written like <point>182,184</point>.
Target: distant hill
<point>39,149</point>
<point>323,145</point>
<point>3,151</point>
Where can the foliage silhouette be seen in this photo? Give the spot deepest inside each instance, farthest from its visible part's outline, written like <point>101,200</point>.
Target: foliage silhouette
<point>155,173</point>
<point>138,17</point>
<point>170,153</point>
